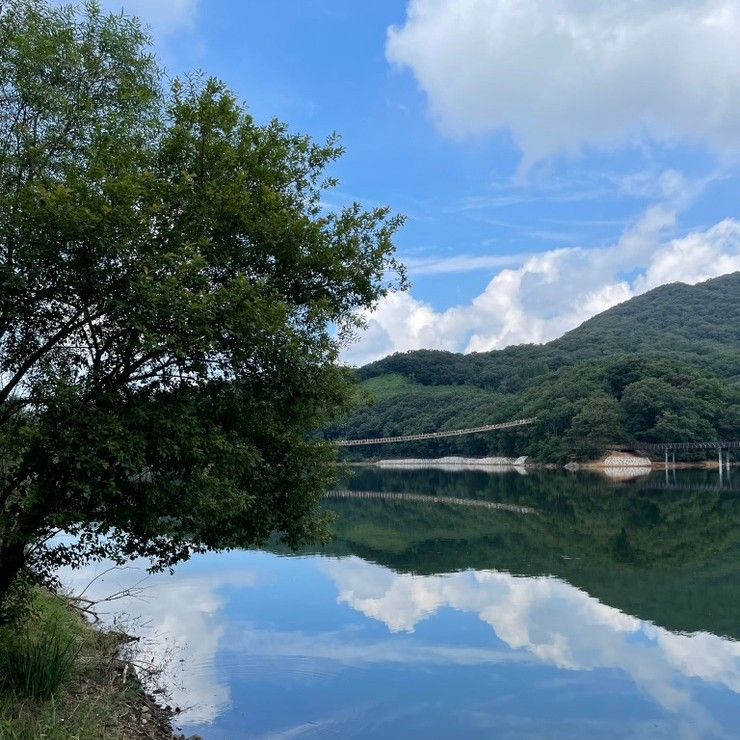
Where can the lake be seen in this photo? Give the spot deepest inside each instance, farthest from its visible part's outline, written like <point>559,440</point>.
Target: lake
<point>525,605</point>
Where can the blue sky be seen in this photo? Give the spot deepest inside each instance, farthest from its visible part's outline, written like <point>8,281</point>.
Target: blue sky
<point>553,157</point>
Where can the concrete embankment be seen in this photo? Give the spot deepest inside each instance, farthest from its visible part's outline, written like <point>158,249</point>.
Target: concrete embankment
<point>492,464</point>
<point>614,464</point>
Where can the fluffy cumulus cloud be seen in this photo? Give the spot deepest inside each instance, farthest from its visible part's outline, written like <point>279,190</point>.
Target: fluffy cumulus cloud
<point>553,292</point>
<point>563,74</point>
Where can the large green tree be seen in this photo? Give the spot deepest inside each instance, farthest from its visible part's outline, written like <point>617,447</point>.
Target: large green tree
<point>173,298</point>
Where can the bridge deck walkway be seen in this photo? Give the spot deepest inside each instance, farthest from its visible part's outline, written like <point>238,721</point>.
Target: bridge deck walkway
<point>431,435</point>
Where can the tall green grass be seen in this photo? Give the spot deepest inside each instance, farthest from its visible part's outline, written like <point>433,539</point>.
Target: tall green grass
<point>35,664</point>
<point>56,676</point>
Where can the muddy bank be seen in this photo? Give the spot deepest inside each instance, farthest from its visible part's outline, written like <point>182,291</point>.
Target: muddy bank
<point>96,692</point>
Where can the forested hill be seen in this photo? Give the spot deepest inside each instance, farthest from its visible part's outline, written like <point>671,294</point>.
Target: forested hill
<point>664,365</point>
<point>700,322</point>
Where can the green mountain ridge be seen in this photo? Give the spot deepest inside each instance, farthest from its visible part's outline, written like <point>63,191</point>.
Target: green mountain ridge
<point>661,366</point>
<point>700,321</point>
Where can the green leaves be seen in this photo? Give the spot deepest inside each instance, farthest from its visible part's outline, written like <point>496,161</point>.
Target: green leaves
<point>169,287</point>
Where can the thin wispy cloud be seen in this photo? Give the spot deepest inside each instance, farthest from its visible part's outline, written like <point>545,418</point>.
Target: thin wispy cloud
<point>553,236</point>
<point>588,186</point>
<point>165,18</point>
<point>461,263</point>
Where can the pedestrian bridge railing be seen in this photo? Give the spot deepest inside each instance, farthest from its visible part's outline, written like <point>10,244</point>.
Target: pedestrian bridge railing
<point>432,435</point>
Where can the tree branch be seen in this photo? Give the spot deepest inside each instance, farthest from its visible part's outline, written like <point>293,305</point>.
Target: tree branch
<point>34,357</point>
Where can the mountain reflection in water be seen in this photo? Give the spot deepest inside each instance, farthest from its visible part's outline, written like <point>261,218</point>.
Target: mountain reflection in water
<point>611,611</point>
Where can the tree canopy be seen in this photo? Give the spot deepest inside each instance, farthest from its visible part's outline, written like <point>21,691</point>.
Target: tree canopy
<point>173,298</point>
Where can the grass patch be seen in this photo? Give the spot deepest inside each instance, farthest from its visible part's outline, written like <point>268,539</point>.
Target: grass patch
<point>37,663</point>
<point>39,651</point>
<point>61,679</point>
<point>387,386</point>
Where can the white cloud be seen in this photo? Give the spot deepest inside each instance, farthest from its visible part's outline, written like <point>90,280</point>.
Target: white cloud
<point>165,18</point>
<point>554,291</point>
<point>178,620</point>
<point>550,620</point>
<point>563,74</point>
<point>460,263</point>
<point>696,257</point>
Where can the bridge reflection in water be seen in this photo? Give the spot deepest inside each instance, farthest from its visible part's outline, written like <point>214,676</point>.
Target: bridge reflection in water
<point>425,499</point>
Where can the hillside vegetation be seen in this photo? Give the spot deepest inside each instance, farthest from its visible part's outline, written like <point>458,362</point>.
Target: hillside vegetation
<point>662,366</point>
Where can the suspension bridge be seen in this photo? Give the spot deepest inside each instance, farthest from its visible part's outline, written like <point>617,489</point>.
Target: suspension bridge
<point>643,447</point>
<point>432,435</point>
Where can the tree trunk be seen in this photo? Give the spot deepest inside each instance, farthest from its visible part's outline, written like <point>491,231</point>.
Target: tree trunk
<point>12,559</point>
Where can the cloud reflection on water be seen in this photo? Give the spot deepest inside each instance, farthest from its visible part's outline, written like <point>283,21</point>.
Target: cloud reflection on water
<point>203,616</point>
<point>549,619</point>
<point>180,622</point>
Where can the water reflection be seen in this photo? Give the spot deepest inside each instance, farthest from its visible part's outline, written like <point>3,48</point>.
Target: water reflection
<point>180,620</point>
<point>441,620</point>
<point>551,620</point>
<point>671,556</point>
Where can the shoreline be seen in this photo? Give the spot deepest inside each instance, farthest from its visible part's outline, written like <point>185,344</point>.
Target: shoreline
<point>493,464</point>
<point>524,464</point>
<point>101,695</point>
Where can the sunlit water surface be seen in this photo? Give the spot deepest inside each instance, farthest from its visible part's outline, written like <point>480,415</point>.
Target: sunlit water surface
<point>604,609</point>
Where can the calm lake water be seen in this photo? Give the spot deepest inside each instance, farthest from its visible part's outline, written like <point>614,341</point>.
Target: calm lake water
<point>580,608</point>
